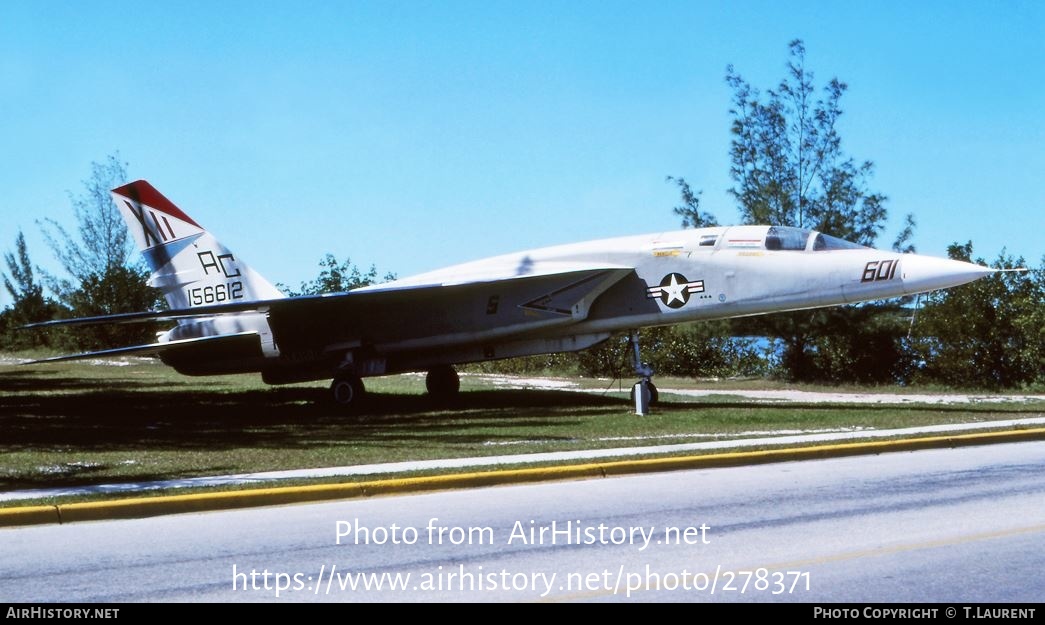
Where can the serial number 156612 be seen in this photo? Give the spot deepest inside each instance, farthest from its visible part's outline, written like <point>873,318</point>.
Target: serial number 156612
<point>215,294</point>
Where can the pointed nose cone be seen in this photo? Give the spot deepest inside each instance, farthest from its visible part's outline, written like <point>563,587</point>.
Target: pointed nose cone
<point>928,273</point>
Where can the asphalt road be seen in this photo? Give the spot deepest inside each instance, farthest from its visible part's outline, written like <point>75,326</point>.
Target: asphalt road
<point>941,526</point>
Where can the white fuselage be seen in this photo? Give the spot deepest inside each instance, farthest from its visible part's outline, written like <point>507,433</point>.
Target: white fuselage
<point>721,272</point>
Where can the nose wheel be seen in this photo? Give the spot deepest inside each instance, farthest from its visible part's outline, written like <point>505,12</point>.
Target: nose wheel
<point>651,388</point>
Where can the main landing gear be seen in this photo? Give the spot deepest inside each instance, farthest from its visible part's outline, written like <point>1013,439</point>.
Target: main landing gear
<point>644,392</point>
<point>348,392</point>
<point>347,389</point>
<point>442,383</point>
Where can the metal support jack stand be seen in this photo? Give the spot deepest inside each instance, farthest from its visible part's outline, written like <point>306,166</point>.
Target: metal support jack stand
<point>643,393</point>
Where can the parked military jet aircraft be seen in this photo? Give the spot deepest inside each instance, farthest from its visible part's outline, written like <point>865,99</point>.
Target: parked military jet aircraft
<point>563,298</point>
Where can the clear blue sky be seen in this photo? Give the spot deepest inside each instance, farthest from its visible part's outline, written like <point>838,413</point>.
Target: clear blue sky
<point>412,135</point>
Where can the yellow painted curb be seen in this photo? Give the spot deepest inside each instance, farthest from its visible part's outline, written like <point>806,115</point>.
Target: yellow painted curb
<point>201,502</point>
<point>30,515</point>
<point>822,451</point>
<point>173,504</point>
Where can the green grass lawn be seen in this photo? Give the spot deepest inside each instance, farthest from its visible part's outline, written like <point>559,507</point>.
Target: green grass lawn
<point>71,424</point>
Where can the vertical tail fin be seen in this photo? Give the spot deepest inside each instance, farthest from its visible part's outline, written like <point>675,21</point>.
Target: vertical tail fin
<point>188,264</point>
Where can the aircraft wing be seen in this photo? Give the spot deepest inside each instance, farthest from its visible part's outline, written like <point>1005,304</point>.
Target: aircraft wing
<point>401,316</point>
<point>153,348</point>
<point>155,315</point>
<point>429,316</point>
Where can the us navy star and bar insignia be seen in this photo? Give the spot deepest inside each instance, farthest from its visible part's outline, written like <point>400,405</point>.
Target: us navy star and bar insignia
<point>674,290</point>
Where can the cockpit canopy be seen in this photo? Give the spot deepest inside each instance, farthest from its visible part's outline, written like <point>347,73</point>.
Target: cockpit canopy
<point>781,238</point>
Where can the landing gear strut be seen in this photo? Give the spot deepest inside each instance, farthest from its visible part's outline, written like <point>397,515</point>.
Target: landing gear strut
<point>643,393</point>
<point>442,382</point>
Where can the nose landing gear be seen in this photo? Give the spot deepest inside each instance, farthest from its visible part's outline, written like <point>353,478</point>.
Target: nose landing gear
<point>644,392</point>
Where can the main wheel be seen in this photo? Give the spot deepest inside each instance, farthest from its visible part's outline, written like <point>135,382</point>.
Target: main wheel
<point>347,390</point>
<point>442,382</point>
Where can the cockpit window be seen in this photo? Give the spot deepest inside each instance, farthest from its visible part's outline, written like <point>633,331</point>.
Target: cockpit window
<point>826,242</point>
<point>708,240</point>
<point>786,238</point>
<point>777,238</point>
